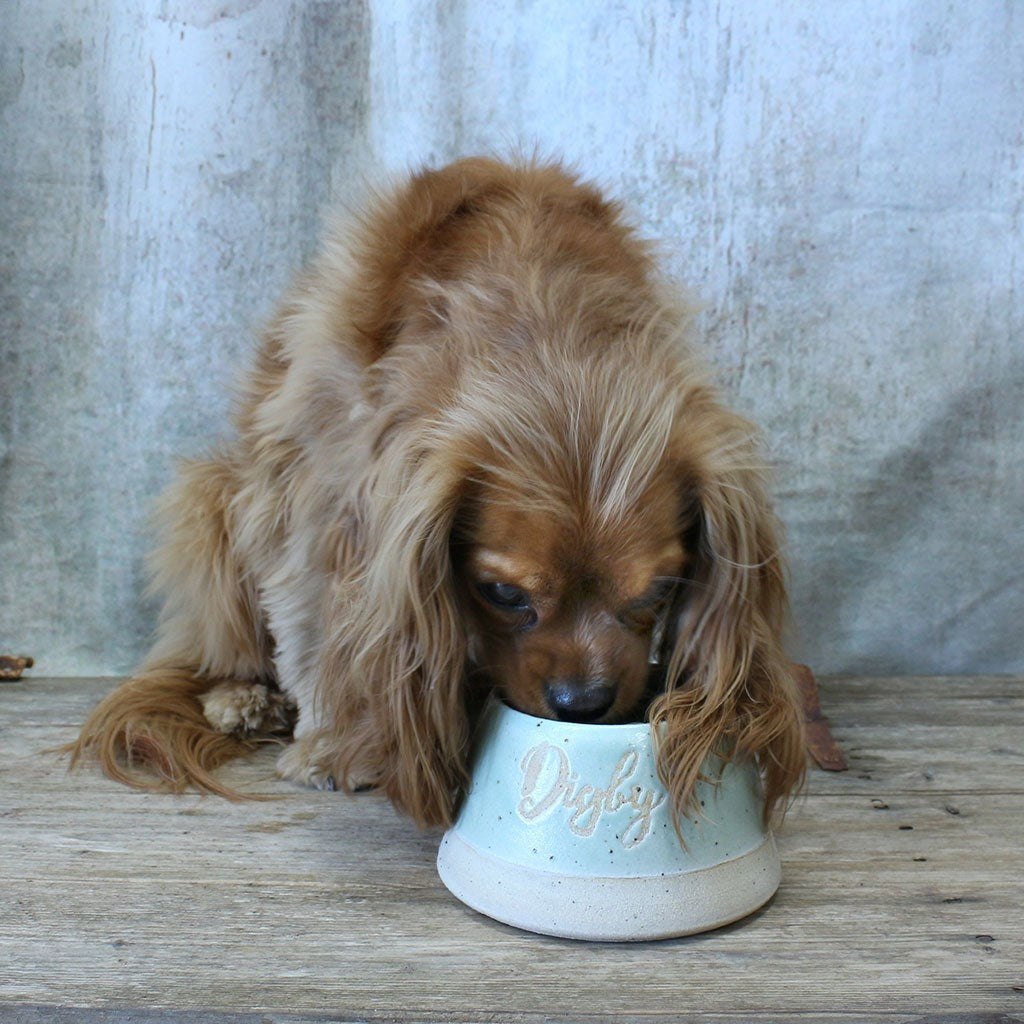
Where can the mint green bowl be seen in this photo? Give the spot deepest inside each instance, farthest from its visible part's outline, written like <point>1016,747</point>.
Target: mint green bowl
<point>566,830</point>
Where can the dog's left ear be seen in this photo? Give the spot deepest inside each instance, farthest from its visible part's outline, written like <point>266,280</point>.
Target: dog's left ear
<point>397,641</point>
<point>729,681</point>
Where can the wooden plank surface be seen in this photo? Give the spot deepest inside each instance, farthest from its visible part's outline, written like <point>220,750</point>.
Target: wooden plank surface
<point>902,896</point>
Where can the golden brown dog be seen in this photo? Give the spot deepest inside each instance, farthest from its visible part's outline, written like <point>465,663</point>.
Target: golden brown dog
<point>475,452</point>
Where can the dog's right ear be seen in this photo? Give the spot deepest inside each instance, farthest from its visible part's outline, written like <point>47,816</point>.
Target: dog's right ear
<point>392,677</point>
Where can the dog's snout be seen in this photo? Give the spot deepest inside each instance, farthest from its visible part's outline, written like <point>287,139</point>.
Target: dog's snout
<point>579,700</point>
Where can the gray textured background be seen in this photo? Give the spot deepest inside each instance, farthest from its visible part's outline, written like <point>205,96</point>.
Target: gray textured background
<point>840,182</point>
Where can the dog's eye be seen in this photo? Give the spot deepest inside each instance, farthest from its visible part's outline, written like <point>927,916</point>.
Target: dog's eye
<point>641,612</point>
<point>507,596</point>
<point>657,593</point>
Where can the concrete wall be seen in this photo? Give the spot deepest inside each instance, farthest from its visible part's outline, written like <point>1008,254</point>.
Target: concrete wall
<point>840,182</point>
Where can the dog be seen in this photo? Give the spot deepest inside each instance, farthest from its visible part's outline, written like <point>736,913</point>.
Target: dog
<point>476,453</point>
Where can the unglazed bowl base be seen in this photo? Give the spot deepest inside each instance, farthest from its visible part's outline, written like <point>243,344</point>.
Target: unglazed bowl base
<point>609,909</point>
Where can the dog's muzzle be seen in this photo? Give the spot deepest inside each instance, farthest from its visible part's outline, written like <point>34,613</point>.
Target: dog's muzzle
<point>579,700</point>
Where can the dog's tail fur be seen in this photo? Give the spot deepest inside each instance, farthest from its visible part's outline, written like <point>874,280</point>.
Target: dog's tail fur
<point>152,733</point>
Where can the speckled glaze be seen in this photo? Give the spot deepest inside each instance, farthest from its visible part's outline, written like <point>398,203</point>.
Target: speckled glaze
<point>566,830</point>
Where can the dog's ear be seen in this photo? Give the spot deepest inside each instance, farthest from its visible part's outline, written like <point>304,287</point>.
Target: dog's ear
<point>392,679</point>
<point>729,681</point>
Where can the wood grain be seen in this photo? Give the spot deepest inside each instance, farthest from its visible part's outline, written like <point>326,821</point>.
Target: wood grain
<point>901,899</point>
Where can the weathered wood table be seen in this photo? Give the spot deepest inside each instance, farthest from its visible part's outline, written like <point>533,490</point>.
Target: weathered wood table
<point>902,896</point>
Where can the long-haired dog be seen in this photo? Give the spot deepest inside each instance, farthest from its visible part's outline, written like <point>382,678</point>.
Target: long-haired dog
<point>475,453</point>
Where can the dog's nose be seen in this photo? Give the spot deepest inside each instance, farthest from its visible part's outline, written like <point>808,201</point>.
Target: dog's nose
<point>578,700</point>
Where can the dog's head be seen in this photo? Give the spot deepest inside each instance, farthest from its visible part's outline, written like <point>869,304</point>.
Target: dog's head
<point>567,602</point>
<point>595,544</point>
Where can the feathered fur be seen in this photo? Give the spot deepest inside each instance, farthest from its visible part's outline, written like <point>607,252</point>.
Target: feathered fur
<point>484,376</point>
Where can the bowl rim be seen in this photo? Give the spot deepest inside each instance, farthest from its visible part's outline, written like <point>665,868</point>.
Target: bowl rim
<point>503,706</point>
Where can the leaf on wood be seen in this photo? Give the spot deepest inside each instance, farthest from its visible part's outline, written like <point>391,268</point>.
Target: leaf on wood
<point>12,667</point>
<point>820,742</point>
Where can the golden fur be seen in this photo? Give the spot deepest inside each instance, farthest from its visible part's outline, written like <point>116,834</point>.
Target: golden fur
<point>475,451</point>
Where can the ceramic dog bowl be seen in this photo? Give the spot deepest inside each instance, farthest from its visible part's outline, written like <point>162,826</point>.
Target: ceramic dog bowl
<point>566,830</point>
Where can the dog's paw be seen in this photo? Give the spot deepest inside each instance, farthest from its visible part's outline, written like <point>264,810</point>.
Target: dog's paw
<point>309,762</point>
<point>248,709</point>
